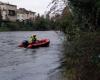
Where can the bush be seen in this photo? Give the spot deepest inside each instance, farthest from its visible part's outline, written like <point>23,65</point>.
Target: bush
<point>82,58</point>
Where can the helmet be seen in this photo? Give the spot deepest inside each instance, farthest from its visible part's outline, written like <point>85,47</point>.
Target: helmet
<point>34,35</point>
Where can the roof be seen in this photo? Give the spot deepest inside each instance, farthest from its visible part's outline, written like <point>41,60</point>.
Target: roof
<point>32,12</point>
<point>23,10</point>
<point>1,3</point>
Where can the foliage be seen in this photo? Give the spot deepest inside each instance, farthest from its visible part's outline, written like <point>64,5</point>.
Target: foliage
<point>40,23</point>
<point>82,58</point>
<point>87,12</point>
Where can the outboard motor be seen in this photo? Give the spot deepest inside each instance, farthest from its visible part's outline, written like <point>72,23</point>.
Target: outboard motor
<point>25,43</point>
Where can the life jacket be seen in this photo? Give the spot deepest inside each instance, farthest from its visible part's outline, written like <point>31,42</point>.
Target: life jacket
<point>32,39</point>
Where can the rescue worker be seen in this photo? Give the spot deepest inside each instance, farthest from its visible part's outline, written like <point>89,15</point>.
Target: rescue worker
<point>32,39</point>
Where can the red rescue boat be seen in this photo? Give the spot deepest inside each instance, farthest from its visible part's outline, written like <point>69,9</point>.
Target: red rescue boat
<point>39,43</point>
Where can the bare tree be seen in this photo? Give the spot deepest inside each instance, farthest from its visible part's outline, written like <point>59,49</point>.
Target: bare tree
<point>57,6</point>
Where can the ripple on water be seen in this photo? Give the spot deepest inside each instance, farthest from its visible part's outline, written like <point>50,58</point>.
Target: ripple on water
<point>29,64</point>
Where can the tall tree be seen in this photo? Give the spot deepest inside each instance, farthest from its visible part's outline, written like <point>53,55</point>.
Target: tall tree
<point>85,12</point>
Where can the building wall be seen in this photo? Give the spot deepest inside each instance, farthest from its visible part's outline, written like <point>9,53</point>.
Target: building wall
<point>19,17</point>
<point>4,14</point>
<point>31,15</point>
<point>11,12</point>
<point>3,7</point>
<point>3,11</point>
<point>23,14</point>
<point>8,12</point>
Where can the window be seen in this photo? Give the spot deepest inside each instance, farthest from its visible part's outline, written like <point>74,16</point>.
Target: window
<point>12,13</point>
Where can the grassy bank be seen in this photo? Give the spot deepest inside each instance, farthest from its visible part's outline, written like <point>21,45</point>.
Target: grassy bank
<point>82,57</point>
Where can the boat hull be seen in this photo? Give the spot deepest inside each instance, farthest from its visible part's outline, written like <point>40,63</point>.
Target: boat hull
<point>39,43</point>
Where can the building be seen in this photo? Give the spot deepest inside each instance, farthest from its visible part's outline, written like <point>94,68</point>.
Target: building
<point>23,14</point>
<point>8,12</point>
<point>31,15</point>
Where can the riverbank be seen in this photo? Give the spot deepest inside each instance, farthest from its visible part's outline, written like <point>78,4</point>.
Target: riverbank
<point>82,57</point>
<point>40,24</point>
<point>24,26</point>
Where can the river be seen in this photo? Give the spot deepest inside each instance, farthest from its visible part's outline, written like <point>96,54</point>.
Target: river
<point>30,64</point>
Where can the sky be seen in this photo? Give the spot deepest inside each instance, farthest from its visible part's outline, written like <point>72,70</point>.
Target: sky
<point>39,6</point>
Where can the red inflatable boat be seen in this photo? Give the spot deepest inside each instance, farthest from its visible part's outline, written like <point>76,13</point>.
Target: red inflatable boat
<point>39,43</point>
